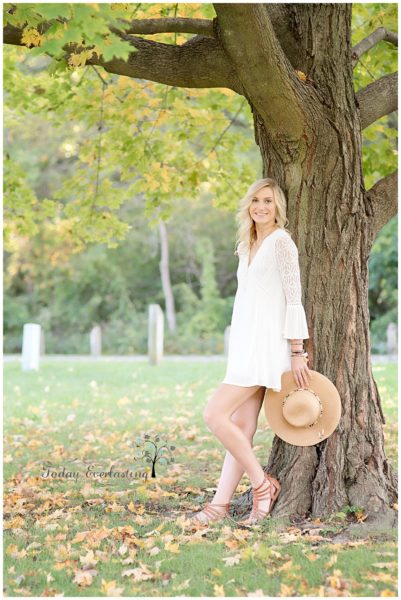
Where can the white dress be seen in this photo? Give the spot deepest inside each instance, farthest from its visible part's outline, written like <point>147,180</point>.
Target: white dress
<point>267,313</point>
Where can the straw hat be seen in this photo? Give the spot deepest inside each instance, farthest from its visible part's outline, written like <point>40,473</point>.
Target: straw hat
<point>303,416</point>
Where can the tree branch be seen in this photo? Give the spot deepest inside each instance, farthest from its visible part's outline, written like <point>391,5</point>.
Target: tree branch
<point>378,99</point>
<point>383,200</point>
<point>261,65</point>
<point>167,25</point>
<point>199,63</point>
<point>381,33</point>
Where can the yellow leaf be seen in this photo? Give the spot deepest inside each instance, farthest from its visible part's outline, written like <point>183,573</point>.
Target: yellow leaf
<point>31,37</point>
<point>88,560</point>
<point>312,557</point>
<point>331,561</point>
<point>154,102</point>
<point>123,401</point>
<point>109,588</point>
<point>15,523</point>
<point>387,593</point>
<point>286,590</point>
<point>219,590</point>
<point>301,75</point>
<point>83,578</point>
<point>227,92</point>
<point>79,60</point>
<point>232,560</point>
<point>172,547</point>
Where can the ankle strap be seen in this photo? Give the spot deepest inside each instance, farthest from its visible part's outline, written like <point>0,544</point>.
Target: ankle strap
<point>259,486</point>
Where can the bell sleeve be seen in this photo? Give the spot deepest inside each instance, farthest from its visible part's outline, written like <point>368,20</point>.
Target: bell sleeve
<point>295,325</point>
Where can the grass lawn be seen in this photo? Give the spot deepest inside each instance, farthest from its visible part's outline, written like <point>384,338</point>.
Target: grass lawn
<point>79,535</point>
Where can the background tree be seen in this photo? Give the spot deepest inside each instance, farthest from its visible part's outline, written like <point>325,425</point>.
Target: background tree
<point>293,64</point>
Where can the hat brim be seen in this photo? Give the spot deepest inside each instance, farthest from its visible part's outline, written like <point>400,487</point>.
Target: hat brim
<point>304,436</point>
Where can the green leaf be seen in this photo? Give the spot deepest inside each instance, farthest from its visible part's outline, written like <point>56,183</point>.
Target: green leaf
<point>117,49</point>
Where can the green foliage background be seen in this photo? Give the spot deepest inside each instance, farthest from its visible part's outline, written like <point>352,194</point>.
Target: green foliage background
<point>93,161</point>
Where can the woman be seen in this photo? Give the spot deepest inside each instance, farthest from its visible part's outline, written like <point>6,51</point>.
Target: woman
<point>266,339</point>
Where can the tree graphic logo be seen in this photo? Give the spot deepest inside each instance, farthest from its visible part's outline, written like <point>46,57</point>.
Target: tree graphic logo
<point>153,450</point>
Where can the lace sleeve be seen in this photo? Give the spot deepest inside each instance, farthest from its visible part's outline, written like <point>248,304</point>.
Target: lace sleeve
<point>295,326</point>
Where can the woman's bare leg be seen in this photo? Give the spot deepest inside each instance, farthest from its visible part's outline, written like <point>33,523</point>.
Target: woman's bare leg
<point>246,418</point>
<point>223,403</point>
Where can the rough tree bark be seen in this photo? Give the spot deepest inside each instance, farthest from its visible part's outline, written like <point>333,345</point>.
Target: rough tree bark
<point>308,125</point>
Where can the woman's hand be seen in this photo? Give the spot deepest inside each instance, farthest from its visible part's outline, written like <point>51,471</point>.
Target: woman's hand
<point>300,371</point>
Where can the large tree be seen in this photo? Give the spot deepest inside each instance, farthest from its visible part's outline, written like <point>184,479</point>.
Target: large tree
<point>293,63</point>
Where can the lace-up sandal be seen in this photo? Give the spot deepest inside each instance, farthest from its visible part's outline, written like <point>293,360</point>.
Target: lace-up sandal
<point>209,514</point>
<point>263,492</point>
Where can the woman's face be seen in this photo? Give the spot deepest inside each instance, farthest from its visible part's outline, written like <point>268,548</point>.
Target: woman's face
<point>263,209</point>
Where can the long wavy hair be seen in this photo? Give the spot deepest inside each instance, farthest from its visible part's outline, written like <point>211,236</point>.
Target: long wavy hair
<point>246,233</point>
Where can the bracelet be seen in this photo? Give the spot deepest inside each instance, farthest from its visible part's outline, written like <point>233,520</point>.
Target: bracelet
<point>293,354</point>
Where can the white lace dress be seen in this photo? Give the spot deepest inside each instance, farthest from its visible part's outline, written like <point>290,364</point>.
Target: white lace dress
<point>267,313</point>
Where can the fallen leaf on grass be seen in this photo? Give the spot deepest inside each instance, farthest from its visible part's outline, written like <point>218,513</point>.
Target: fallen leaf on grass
<point>12,550</point>
<point>232,560</point>
<point>109,588</point>
<point>16,523</point>
<point>84,578</point>
<point>332,560</point>
<point>184,585</point>
<point>286,590</point>
<point>88,560</point>
<point>232,544</point>
<point>218,590</point>
<point>312,557</point>
<point>287,538</point>
<point>141,573</point>
<point>175,548</point>
<point>390,565</point>
<point>96,535</point>
<point>384,577</point>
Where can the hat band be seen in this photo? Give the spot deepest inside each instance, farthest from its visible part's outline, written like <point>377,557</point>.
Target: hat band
<point>317,398</point>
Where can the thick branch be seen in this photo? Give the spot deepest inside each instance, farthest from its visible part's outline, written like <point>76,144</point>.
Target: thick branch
<point>199,63</point>
<point>383,199</point>
<point>381,33</point>
<point>168,25</point>
<point>378,99</point>
<point>265,72</point>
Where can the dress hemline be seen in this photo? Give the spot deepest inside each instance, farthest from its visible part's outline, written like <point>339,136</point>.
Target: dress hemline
<point>274,389</point>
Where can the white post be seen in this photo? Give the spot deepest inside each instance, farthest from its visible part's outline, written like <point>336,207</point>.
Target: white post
<point>30,347</point>
<point>155,334</point>
<point>95,340</point>
<point>226,338</point>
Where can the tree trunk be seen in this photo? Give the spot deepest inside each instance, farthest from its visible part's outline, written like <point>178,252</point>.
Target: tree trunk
<point>165,277</point>
<point>331,218</point>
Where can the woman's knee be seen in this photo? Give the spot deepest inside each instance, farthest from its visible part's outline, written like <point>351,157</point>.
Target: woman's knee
<point>210,417</point>
<point>248,429</point>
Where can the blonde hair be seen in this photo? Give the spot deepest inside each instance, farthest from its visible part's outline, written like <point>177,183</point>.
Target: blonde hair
<point>246,233</point>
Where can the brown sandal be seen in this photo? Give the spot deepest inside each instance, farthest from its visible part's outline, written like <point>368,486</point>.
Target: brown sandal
<point>211,513</point>
<point>257,514</point>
